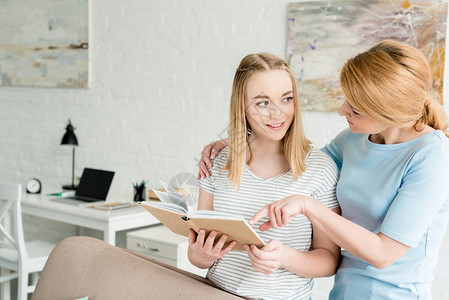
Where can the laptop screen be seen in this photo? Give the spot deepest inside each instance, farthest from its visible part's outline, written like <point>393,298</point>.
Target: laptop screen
<point>95,183</point>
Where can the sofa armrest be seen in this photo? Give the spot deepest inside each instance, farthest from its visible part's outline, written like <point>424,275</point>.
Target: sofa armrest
<point>84,266</point>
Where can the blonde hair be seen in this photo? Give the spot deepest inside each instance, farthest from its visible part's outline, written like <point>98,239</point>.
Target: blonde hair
<point>295,144</point>
<point>391,83</point>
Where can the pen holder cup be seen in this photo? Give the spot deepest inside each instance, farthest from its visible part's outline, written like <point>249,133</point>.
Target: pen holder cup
<point>139,193</point>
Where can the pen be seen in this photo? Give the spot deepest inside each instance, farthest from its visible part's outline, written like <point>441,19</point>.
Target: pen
<point>62,194</point>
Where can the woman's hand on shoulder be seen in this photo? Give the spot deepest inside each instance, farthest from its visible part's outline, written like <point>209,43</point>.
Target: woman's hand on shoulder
<point>281,211</point>
<point>269,258</point>
<point>210,152</point>
<point>202,250</point>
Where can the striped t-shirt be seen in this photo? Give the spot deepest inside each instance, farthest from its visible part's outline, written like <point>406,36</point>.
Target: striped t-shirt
<point>234,271</point>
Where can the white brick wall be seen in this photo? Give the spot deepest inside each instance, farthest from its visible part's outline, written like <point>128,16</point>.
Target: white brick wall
<point>161,73</point>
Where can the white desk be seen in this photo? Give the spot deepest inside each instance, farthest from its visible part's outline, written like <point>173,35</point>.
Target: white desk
<point>107,221</point>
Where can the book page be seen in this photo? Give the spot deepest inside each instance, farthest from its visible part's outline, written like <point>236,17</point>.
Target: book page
<point>172,192</point>
<point>168,206</point>
<point>171,196</point>
<point>165,198</point>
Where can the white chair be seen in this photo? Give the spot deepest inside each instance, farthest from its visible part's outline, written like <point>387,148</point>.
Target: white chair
<point>23,259</point>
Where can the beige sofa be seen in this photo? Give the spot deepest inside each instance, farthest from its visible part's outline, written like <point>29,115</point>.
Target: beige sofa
<point>84,266</point>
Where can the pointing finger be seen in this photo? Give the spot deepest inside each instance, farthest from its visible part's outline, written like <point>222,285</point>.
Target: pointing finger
<point>259,215</point>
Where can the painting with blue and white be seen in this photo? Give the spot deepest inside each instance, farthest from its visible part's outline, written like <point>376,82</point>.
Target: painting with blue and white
<point>44,43</point>
<point>322,35</point>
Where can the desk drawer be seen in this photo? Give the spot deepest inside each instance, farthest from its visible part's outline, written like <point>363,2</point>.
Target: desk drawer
<point>153,248</point>
<point>160,243</point>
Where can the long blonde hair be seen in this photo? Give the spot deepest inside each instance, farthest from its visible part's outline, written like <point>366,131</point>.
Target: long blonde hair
<point>391,83</point>
<point>296,145</point>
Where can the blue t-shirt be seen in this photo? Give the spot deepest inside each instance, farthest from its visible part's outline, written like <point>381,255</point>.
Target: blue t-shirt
<point>401,190</point>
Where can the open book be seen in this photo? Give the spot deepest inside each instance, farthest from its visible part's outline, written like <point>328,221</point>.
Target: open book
<point>174,213</point>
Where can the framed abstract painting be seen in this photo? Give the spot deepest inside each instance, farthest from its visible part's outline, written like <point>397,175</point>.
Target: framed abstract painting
<point>322,35</point>
<point>44,43</point>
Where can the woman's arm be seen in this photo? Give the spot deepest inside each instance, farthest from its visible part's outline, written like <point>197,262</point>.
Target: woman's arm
<point>210,152</point>
<point>203,250</point>
<point>205,200</point>
<point>321,261</point>
<point>377,249</point>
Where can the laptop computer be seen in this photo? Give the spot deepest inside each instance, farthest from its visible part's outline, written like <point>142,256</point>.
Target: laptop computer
<point>94,186</point>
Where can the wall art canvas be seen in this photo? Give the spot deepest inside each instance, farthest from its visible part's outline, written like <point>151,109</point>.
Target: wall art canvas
<point>44,43</point>
<point>322,35</point>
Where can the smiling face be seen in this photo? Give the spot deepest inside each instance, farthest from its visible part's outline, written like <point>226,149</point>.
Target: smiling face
<point>359,122</point>
<point>270,108</point>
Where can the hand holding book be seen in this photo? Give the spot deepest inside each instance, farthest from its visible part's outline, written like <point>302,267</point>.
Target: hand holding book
<point>204,249</point>
<point>174,213</point>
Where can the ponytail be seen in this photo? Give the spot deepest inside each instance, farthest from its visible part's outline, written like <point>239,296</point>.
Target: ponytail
<point>434,115</point>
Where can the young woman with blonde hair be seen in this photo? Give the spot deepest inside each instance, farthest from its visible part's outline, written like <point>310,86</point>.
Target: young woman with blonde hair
<point>268,159</point>
<point>394,182</point>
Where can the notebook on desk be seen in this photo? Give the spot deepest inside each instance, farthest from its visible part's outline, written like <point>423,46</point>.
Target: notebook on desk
<point>94,186</point>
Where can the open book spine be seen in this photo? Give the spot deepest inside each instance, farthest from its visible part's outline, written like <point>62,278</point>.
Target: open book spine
<point>176,222</point>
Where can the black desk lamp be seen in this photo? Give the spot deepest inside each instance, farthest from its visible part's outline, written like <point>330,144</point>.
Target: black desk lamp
<point>69,139</point>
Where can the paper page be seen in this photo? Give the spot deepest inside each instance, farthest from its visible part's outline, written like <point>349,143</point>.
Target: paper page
<point>165,198</point>
<point>167,206</point>
<point>174,196</point>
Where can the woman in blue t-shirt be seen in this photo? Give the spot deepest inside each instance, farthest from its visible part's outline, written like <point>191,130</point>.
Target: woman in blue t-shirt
<point>394,182</point>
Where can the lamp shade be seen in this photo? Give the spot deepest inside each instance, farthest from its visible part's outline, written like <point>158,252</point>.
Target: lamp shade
<point>69,137</point>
